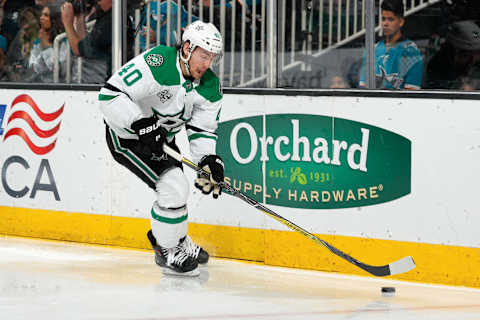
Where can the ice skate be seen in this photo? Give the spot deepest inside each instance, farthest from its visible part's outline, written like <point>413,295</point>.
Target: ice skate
<point>194,250</point>
<point>174,261</point>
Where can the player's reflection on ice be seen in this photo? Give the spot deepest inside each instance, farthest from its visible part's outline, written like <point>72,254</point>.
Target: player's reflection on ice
<point>170,282</point>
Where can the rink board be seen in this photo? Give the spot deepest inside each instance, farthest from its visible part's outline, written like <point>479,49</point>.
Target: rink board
<point>378,178</point>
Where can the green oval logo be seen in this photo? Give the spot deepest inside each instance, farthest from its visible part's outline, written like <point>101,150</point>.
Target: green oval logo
<point>314,162</point>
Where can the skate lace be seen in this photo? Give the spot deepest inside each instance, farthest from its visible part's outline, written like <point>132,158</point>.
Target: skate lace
<point>190,247</point>
<point>176,256</point>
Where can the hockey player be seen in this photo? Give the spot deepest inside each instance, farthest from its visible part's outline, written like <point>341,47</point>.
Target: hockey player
<point>145,104</point>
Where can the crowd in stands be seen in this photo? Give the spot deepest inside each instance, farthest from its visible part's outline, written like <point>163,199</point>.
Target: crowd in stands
<point>27,39</point>
<point>29,29</point>
<point>450,60</point>
<point>234,9</point>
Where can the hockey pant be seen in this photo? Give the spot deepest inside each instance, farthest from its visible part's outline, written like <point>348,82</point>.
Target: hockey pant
<point>165,176</point>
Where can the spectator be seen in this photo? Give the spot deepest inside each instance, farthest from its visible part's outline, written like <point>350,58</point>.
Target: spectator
<point>469,84</point>
<point>228,3</point>
<point>43,3</point>
<point>163,23</point>
<point>9,13</point>
<point>4,71</point>
<point>41,57</point>
<point>230,16</point>
<point>3,39</point>
<point>398,62</point>
<point>94,47</point>
<point>458,58</point>
<point>12,7</point>
<point>338,82</point>
<point>19,50</point>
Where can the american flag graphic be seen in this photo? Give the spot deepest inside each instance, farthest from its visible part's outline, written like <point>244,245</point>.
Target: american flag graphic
<point>40,141</point>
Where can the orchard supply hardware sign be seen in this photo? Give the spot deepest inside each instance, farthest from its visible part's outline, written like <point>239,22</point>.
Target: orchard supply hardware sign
<point>314,162</point>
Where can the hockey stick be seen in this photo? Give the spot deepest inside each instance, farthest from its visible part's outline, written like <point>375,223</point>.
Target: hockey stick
<point>400,266</point>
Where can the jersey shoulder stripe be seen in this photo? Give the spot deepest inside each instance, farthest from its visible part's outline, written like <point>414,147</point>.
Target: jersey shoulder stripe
<point>210,87</point>
<point>162,62</point>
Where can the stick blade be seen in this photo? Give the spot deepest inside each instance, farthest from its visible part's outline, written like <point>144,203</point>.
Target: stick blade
<point>403,265</point>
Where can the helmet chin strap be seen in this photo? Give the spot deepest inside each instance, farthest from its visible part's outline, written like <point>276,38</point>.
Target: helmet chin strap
<point>187,59</point>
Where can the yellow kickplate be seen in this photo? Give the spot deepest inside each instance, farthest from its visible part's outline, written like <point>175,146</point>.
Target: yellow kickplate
<point>443,264</point>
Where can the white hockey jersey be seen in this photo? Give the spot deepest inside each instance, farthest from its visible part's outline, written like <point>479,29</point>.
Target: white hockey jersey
<point>153,83</point>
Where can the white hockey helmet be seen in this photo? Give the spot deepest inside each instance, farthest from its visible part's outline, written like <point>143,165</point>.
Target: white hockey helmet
<point>204,35</point>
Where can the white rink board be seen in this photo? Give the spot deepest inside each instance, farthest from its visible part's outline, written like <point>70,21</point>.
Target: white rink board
<point>441,208</point>
<point>87,179</point>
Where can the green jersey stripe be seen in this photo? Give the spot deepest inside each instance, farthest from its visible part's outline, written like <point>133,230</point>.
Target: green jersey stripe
<point>200,135</point>
<point>169,220</point>
<point>106,97</point>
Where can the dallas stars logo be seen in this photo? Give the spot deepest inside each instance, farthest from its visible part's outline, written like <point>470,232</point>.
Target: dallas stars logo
<point>171,121</point>
<point>155,60</point>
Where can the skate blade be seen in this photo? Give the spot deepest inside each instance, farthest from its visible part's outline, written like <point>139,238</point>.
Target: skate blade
<point>170,272</point>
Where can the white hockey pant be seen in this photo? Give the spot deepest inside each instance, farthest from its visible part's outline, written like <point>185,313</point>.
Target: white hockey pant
<point>169,211</point>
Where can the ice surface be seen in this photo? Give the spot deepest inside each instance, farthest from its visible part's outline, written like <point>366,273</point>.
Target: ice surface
<point>60,280</point>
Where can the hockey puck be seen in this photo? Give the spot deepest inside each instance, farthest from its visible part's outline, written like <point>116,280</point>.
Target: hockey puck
<point>388,291</point>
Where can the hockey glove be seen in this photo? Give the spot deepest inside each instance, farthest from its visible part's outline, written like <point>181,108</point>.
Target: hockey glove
<point>151,134</point>
<point>213,164</point>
